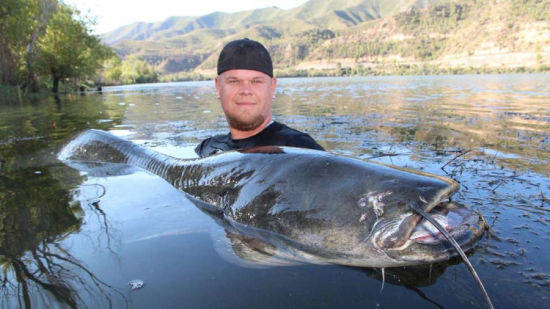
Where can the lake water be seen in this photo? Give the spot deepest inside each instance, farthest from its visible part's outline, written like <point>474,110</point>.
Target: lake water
<point>74,239</point>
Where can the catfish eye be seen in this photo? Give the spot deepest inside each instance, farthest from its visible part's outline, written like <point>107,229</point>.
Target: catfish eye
<point>362,202</point>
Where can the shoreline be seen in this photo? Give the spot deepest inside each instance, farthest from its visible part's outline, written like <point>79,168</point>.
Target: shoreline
<point>13,94</point>
<point>400,70</point>
<point>326,76</point>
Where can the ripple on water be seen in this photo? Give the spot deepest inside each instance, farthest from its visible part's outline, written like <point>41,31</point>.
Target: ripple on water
<point>418,122</point>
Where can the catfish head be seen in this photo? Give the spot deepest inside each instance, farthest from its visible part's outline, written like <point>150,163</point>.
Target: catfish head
<point>402,233</point>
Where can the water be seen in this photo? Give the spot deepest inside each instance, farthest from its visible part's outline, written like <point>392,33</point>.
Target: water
<point>70,238</point>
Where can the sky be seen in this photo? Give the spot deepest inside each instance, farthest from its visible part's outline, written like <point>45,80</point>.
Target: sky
<point>111,14</point>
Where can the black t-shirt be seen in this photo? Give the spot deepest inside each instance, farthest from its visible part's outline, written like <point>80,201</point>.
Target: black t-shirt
<point>275,134</point>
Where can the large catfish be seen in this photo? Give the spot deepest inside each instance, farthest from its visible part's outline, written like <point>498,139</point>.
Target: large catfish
<point>330,208</point>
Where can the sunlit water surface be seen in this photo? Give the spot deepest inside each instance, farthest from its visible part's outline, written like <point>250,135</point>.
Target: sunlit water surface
<point>70,238</point>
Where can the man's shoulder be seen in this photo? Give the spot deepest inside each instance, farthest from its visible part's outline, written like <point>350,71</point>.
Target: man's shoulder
<point>276,134</point>
<point>296,138</point>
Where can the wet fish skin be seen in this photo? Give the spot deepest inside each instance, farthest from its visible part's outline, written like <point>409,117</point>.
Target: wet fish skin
<point>324,207</point>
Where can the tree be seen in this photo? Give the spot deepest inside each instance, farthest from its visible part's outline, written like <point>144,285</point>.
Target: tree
<point>112,70</point>
<point>45,10</point>
<point>16,25</point>
<point>136,70</point>
<point>68,50</point>
<point>22,23</point>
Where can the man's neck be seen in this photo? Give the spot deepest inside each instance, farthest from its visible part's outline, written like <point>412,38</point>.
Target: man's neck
<point>238,134</point>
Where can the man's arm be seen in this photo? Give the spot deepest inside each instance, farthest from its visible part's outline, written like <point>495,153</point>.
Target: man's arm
<point>201,148</point>
<point>213,145</point>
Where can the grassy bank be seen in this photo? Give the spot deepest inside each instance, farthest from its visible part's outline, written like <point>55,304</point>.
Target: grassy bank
<point>407,69</point>
<point>379,70</point>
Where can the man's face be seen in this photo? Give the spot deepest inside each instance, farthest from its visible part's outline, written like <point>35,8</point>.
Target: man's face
<point>246,97</point>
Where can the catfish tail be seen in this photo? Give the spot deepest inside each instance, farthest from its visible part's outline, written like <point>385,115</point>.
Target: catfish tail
<point>96,146</point>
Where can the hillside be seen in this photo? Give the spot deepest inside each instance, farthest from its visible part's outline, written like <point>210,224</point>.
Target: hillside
<point>314,13</point>
<point>324,37</point>
<point>460,35</point>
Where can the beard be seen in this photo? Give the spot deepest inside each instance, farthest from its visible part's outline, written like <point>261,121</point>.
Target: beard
<point>245,125</point>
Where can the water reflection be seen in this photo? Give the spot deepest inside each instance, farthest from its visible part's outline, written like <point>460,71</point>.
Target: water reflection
<point>37,209</point>
<point>38,212</point>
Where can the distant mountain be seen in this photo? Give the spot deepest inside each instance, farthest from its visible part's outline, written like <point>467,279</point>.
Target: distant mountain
<point>314,13</point>
<point>177,26</point>
<point>349,32</point>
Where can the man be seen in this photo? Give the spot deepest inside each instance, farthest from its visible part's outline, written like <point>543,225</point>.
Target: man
<point>246,86</point>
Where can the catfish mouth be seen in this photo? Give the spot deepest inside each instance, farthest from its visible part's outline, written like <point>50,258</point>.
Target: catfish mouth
<point>459,226</point>
<point>406,237</point>
<point>458,221</point>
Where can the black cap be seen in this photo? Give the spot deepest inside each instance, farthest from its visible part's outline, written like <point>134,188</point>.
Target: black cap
<point>245,54</point>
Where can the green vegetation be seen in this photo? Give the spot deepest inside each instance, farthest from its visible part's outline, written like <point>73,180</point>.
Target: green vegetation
<point>184,76</point>
<point>365,36</point>
<point>68,51</point>
<point>132,70</point>
<point>401,69</point>
<point>536,9</point>
<point>46,42</point>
